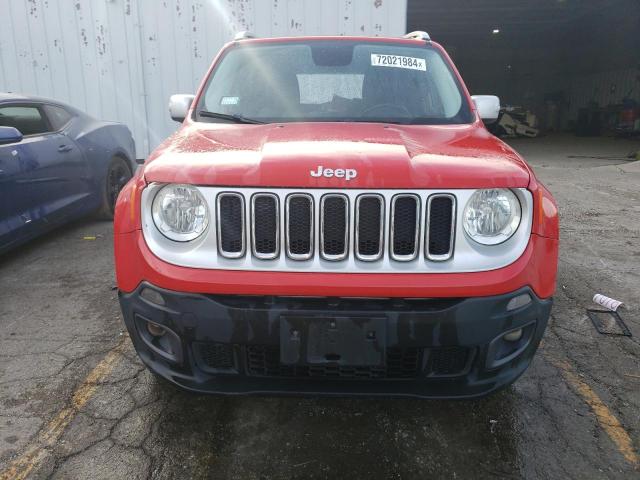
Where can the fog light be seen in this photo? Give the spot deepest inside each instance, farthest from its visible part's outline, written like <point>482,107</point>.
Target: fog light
<point>519,301</point>
<point>513,335</point>
<point>155,330</point>
<point>152,296</point>
<point>160,339</point>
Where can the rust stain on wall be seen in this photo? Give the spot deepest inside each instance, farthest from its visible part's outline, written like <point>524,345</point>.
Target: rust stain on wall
<point>33,8</point>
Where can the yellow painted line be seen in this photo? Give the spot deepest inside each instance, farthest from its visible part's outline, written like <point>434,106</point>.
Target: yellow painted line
<point>22,466</point>
<point>607,420</point>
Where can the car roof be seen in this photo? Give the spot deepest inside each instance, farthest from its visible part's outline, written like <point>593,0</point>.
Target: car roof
<point>6,97</point>
<point>17,97</point>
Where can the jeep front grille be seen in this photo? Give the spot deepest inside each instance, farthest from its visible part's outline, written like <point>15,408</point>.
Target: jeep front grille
<point>335,226</point>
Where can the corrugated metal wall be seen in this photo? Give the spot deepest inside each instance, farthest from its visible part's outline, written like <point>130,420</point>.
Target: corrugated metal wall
<point>603,89</point>
<point>121,59</point>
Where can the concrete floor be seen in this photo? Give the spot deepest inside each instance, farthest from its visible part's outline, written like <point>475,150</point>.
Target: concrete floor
<point>76,403</point>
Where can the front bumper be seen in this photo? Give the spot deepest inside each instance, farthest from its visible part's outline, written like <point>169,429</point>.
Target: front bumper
<point>434,348</point>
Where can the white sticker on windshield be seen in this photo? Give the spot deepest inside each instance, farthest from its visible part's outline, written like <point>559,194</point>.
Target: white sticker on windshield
<point>229,100</point>
<point>398,61</point>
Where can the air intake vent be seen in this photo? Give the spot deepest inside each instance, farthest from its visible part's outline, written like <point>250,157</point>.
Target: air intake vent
<point>405,228</point>
<point>440,226</point>
<point>334,232</point>
<point>369,227</point>
<point>231,235</point>
<point>299,228</point>
<point>215,357</point>
<point>449,361</point>
<point>266,225</point>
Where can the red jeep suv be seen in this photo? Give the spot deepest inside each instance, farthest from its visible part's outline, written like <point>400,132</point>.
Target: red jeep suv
<point>332,217</point>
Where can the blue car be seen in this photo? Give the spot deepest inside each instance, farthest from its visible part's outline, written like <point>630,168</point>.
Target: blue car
<point>56,164</point>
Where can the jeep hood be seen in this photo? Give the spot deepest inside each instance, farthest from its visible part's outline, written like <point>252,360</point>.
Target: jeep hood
<point>384,156</point>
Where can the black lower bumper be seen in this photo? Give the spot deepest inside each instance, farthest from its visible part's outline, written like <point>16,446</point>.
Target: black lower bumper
<point>440,348</point>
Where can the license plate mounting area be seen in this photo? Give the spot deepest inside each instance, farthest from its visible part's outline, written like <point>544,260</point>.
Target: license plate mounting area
<point>322,340</point>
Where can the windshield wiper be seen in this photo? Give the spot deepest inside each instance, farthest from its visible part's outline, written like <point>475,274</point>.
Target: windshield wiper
<point>225,116</point>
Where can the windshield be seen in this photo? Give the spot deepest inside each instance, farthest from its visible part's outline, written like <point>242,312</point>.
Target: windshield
<point>333,81</point>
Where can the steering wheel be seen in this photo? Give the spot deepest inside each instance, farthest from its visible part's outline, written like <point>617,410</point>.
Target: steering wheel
<point>399,108</point>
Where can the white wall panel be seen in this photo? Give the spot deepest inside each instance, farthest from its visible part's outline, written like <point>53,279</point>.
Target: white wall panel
<point>121,59</point>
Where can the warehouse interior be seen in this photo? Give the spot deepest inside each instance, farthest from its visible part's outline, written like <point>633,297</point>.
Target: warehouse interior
<point>563,65</point>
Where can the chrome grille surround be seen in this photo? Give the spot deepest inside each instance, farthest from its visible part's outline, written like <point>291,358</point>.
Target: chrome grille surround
<point>290,254</point>
<point>368,257</point>
<point>204,251</point>
<point>333,257</point>
<point>254,246</point>
<point>449,254</point>
<point>219,230</point>
<point>392,237</point>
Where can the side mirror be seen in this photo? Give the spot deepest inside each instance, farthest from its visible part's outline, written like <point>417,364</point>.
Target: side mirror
<point>9,135</point>
<point>488,107</point>
<point>179,106</point>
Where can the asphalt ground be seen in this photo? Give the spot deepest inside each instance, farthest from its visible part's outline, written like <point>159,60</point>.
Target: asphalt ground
<point>75,402</point>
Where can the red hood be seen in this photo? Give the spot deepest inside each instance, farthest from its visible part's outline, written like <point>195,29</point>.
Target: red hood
<point>384,156</point>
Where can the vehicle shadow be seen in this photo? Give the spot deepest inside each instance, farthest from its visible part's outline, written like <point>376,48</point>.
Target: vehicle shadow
<point>260,437</point>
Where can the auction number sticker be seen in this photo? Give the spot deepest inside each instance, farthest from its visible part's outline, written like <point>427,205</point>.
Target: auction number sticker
<point>398,61</point>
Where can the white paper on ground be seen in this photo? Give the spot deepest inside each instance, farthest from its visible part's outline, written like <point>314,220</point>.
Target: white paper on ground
<point>607,302</point>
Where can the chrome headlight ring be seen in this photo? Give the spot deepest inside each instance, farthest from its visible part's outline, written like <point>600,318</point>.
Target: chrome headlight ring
<point>492,216</point>
<point>180,212</point>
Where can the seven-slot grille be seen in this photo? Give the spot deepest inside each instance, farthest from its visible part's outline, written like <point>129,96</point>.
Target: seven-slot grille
<point>335,226</point>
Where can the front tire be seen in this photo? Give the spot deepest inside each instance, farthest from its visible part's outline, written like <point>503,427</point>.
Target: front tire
<point>118,174</point>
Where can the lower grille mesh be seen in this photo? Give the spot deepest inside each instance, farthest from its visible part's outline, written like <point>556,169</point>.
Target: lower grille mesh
<point>218,356</point>
<point>263,360</point>
<point>448,361</point>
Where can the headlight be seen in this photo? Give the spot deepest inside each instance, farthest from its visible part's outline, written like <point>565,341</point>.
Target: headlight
<point>492,216</point>
<point>180,212</point>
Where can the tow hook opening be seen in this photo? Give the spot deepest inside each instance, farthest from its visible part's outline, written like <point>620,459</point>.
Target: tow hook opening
<point>160,339</point>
